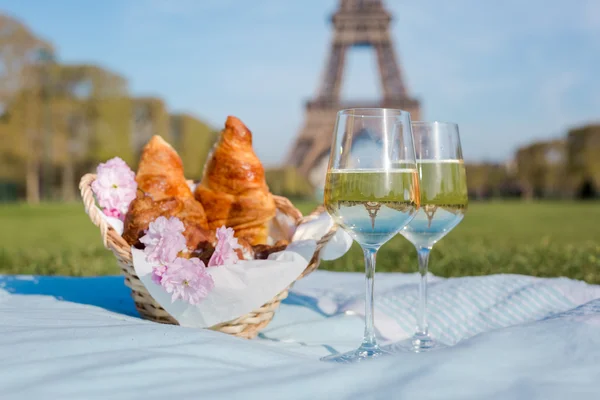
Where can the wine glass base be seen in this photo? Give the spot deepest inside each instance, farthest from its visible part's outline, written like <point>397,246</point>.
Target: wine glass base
<point>423,342</point>
<point>419,343</point>
<point>361,354</point>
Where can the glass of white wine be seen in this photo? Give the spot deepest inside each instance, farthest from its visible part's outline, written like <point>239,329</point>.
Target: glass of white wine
<point>372,192</point>
<point>443,203</point>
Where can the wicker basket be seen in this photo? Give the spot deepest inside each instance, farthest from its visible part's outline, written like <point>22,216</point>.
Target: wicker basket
<point>246,326</point>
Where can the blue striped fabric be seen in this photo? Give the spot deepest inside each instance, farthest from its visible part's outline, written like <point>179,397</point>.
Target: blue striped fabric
<point>460,308</point>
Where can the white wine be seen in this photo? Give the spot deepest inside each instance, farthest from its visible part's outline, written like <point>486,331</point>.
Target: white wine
<point>444,200</point>
<point>372,205</point>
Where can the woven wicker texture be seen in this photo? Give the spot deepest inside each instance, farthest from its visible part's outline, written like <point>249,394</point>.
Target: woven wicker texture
<point>247,326</point>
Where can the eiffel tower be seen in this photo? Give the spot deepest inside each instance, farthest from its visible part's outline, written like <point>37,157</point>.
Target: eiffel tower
<point>356,23</point>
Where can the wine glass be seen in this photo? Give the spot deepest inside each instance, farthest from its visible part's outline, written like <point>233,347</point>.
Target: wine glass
<point>443,203</point>
<point>372,192</point>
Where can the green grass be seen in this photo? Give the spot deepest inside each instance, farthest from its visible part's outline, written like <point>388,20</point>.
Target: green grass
<point>541,239</point>
<point>51,239</point>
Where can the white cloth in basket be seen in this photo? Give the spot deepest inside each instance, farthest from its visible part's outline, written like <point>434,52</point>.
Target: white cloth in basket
<point>245,286</point>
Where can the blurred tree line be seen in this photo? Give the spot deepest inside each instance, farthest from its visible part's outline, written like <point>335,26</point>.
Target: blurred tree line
<point>59,121</point>
<point>566,168</point>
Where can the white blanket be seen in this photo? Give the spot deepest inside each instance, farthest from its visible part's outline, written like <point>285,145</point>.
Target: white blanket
<point>515,337</point>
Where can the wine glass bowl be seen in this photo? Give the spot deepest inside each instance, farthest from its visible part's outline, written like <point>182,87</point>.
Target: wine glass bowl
<point>371,191</point>
<point>443,201</point>
<point>371,204</point>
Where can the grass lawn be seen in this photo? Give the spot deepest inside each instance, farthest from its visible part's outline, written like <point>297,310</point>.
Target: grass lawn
<point>542,239</point>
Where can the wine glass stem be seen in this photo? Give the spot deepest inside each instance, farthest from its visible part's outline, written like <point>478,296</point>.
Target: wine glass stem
<point>370,257</point>
<point>423,255</point>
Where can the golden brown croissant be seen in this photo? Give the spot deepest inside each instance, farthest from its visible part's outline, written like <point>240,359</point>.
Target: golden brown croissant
<point>144,210</point>
<point>233,189</point>
<point>166,193</point>
<point>160,172</point>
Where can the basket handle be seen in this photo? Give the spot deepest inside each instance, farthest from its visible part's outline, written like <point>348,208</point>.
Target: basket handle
<point>283,203</point>
<point>89,202</point>
<point>315,260</point>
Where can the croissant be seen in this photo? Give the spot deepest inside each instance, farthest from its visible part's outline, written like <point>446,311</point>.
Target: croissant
<point>165,193</point>
<point>160,171</point>
<point>233,189</point>
<point>144,210</point>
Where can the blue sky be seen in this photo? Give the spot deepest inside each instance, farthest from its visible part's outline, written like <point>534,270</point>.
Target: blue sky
<point>508,72</point>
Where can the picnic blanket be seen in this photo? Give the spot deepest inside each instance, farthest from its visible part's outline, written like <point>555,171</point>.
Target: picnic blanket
<point>513,337</point>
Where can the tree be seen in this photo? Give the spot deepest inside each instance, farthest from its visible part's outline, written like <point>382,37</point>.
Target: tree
<point>20,51</point>
<point>193,140</point>
<point>149,117</point>
<point>287,181</point>
<point>583,160</point>
<point>60,121</point>
<point>90,113</point>
<point>488,180</point>
<point>541,169</point>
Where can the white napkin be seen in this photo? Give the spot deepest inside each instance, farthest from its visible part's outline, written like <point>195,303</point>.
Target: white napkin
<point>239,288</point>
<point>336,247</point>
<point>116,223</point>
<point>245,286</point>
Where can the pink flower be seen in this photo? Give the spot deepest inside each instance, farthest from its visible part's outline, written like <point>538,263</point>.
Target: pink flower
<point>158,273</point>
<point>187,279</point>
<point>115,187</point>
<point>113,212</point>
<point>225,250</point>
<point>164,240</point>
